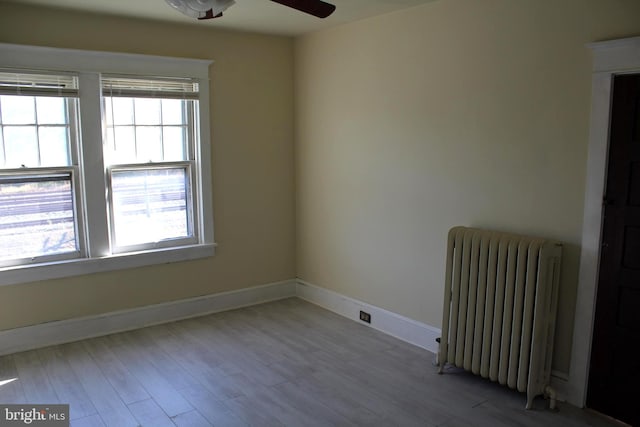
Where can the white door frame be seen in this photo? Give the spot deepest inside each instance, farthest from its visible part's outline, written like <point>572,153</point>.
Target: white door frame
<point>609,58</point>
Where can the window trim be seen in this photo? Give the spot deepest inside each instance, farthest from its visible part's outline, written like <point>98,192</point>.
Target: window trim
<point>89,65</point>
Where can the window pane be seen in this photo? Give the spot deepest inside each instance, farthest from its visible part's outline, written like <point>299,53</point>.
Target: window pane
<point>124,144</point>
<point>18,110</point>
<point>21,146</point>
<point>110,154</point>
<point>147,111</point>
<point>108,111</point>
<point>54,146</point>
<point>174,143</point>
<point>51,111</point>
<point>172,112</point>
<point>150,205</point>
<point>149,144</point>
<point>36,217</point>
<point>122,109</point>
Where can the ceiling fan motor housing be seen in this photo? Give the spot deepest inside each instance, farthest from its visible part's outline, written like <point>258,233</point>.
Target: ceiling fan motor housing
<point>199,8</point>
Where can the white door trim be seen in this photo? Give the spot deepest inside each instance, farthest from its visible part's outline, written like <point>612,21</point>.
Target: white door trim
<point>609,58</point>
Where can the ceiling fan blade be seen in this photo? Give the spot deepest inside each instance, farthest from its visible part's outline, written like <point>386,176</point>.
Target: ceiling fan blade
<point>209,15</point>
<point>312,7</point>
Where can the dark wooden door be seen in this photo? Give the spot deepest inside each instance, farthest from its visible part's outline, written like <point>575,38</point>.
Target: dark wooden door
<point>614,377</point>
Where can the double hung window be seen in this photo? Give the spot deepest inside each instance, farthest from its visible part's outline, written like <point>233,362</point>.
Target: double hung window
<point>150,134</point>
<point>38,168</point>
<point>101,170</point>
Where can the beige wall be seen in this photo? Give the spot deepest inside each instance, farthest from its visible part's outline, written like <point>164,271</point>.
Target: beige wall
<point>458,112</point>
<point>252,125</point>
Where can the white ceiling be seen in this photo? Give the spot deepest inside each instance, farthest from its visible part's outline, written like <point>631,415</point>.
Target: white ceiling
<point>261,16</point>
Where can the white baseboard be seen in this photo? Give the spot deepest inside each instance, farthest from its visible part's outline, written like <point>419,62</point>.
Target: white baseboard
<point>411,331</point>
<point>58,332</point>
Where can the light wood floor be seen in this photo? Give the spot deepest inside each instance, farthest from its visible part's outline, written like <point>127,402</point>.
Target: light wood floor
<point>283,363</point>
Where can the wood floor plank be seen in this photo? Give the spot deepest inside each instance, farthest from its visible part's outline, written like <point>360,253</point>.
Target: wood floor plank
<point>197,363</point>
<point>104,397</point>
<point>344,405</point>
<point>247,333</point>
<point>357,338</point>
<point>289,340</point>
<point>430,386</point>
<point>268,336</point>
<point>160,389</point>
<point>191,419</point>
<point>239,357</point>
<point>295,397</point>
<point>273,403</point>
<point>168,367</point>
<point>124,383</point>
<point>10,391</point>
<point>34,379</point>
<point>314,339</point>
<point>402,393</point>
<point>352,390</point>
<point>65,383</point>
<point>215,411</point>
<point>292,370</point>
<point>252,411</point>
<point>186,334</point>
<point>149,414</point>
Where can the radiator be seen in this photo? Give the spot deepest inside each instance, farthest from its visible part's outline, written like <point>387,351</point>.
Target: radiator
<point>500,303</point>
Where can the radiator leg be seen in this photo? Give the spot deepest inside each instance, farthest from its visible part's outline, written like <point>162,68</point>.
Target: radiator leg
<point>550,391</point>
<point>530,398</point>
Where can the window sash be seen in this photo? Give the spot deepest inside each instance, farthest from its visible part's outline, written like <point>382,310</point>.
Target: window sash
<point>191,206</point>
<point>71,127</point>
<point>191,124</point>
<point>42,175</point>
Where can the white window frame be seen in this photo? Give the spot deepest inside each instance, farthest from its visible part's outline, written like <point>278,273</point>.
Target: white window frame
<point>90,65</point>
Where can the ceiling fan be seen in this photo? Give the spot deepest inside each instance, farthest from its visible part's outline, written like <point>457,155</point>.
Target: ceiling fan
<point>208,9</point>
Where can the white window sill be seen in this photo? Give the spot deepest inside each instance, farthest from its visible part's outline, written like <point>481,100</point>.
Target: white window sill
<point>55,270</point>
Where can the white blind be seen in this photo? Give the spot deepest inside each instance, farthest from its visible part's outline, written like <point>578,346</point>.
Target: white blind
<point>38,84</point>
<point>149,88</point>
